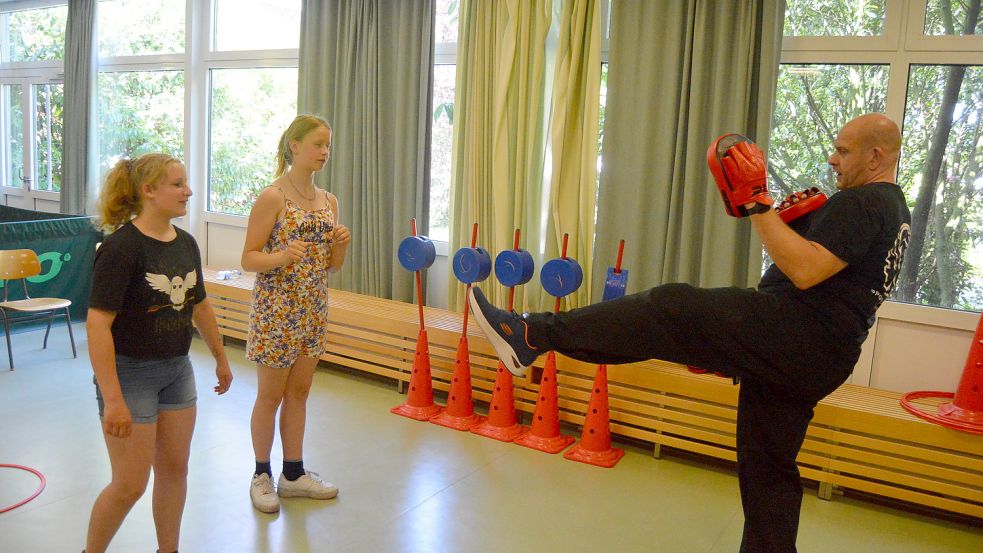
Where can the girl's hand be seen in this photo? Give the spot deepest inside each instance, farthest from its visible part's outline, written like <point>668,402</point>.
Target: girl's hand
<point>116,419</point>
<point>224,375</point>
<point>341,236</point>
<point>296,250</point>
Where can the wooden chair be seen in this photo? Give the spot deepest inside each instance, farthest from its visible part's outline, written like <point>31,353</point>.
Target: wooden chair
<point>19,265</point>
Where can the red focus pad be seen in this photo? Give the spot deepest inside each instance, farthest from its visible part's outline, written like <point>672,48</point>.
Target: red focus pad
<point>739,169</point>
<point>797,204</point>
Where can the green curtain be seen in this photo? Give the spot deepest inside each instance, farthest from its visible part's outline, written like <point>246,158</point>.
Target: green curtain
<point>709,70</point>
<point>78,184</point>
<point>574,134</point>
<point>499,131</point>
<point>367,67</point>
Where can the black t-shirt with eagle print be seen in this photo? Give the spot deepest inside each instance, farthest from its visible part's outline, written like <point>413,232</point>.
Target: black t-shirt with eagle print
<point>152,286</point>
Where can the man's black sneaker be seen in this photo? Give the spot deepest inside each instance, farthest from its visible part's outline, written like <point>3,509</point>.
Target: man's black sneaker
<point>506,331</point>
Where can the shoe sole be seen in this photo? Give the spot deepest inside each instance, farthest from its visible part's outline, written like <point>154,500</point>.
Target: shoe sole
<point>274,509</point>
<point>328,495</point>
<point>509,360</point>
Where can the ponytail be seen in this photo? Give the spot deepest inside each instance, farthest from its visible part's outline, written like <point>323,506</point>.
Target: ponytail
<point>120,199</point>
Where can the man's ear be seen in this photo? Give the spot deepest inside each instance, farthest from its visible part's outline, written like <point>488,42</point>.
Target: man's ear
<point>876,157</point>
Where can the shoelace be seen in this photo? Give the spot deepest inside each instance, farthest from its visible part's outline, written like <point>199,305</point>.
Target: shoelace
<point>264,484</point>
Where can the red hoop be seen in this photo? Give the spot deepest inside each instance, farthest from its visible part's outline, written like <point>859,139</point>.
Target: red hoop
<point>35,494</point>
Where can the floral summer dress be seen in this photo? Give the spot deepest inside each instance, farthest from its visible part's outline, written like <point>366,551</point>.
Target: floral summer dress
<point>289,312</point>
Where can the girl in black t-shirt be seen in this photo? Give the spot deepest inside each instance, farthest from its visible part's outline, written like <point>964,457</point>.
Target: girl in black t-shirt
<point>147,292</point>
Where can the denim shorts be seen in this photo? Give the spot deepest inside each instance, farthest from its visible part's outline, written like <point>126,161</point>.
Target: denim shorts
<point>153,385</point>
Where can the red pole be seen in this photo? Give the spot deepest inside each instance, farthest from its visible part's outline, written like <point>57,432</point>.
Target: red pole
<point>563,254</point>
<point>621,251</point>
<point>474,243</point>
<point>515,246</point>
<point>419,281</point>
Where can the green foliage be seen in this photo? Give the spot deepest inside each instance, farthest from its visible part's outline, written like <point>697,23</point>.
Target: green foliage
<point>37,35</point>
<point>834,17</point>
<point>811,104</point>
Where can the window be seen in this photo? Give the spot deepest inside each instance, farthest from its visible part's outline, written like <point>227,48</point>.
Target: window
<point>140,27</point>
<point>49,128</point>
<point>252,97</point>
<point>927,78</point>
<point>834,17</point>
<point>33,35</point>
<point>250,108</point>
<point>950,17</point>
<point>140,112</point>
<point>441,145</point>
<point>141,84</point>
<point>256,24</point>
<point>31,105</point>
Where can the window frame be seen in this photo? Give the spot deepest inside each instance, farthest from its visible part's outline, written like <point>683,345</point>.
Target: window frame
<point>27,74</point>
<point>899,50</point>
<point>204,59</point>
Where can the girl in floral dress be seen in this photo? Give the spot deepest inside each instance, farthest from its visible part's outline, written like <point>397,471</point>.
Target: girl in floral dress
<point>292,242</point>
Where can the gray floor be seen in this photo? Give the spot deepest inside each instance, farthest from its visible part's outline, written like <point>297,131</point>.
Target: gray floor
<point>406,486</point>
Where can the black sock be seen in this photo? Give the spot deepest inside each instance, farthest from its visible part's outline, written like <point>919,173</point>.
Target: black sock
<point>293,470</point>
<point>264,468</point>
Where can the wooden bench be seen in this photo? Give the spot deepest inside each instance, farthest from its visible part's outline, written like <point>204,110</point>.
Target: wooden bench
<point>860,439</point>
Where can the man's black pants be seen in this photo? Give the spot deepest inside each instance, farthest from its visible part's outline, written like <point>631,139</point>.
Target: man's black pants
<point>787,360</point>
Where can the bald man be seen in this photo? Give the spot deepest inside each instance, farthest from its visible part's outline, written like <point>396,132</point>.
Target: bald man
<point>791,342</point>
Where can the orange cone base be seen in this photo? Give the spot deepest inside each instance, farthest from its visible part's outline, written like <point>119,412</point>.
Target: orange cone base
<point>606,459</point>
<point>424,413</point>
<point>462,423</point>
<point>949,415</point>
<point>551,444</point>
<point>500,433</point>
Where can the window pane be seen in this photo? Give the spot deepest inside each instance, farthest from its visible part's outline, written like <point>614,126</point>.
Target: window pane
<point>49,130</point>
<point>257,24</point>
<point>447,18</point>
<point>950,17</point>
<point>250,108</point>
<point>812,102</point>
<point>942,173</point>
<point>140,27</point>
<point>35,35</point>
<point>140,112</point>
<point>13,132</point>
<point>440,152</point>
<point>834,17</point>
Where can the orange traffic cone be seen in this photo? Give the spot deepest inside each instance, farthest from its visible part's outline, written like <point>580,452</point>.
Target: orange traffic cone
<point>459,413</point>
<point>545,432</point>
<point>595,443</point>
<point>965,412</point>
<point>419,402</point>
<point>501,424</point>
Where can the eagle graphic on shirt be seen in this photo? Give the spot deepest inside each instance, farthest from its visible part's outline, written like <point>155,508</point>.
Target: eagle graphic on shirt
<point>175,287</point>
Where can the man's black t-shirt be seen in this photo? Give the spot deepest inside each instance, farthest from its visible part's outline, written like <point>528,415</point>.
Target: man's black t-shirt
<point>152,286</point>
<point>868,227</point>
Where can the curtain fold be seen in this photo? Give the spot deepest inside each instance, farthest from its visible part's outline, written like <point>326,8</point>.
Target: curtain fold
<point>367,67</point>
<point>710,70</point>
<point>78,186</point>
<point>574,137</point>
<point>499,131</point>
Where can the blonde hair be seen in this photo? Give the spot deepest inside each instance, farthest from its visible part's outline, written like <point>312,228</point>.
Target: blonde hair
<point>298,129</point>
<point>120,199</point>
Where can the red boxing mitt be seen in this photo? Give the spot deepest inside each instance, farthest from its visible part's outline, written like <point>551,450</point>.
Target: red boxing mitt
<point>739,169</point>
<point>797,204</point>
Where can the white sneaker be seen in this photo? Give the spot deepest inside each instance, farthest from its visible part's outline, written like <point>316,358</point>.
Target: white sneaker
<point>309,485</point>
<point>262,493</point>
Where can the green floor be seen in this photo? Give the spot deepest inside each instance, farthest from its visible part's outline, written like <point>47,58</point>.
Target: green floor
<point>406,486</point>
